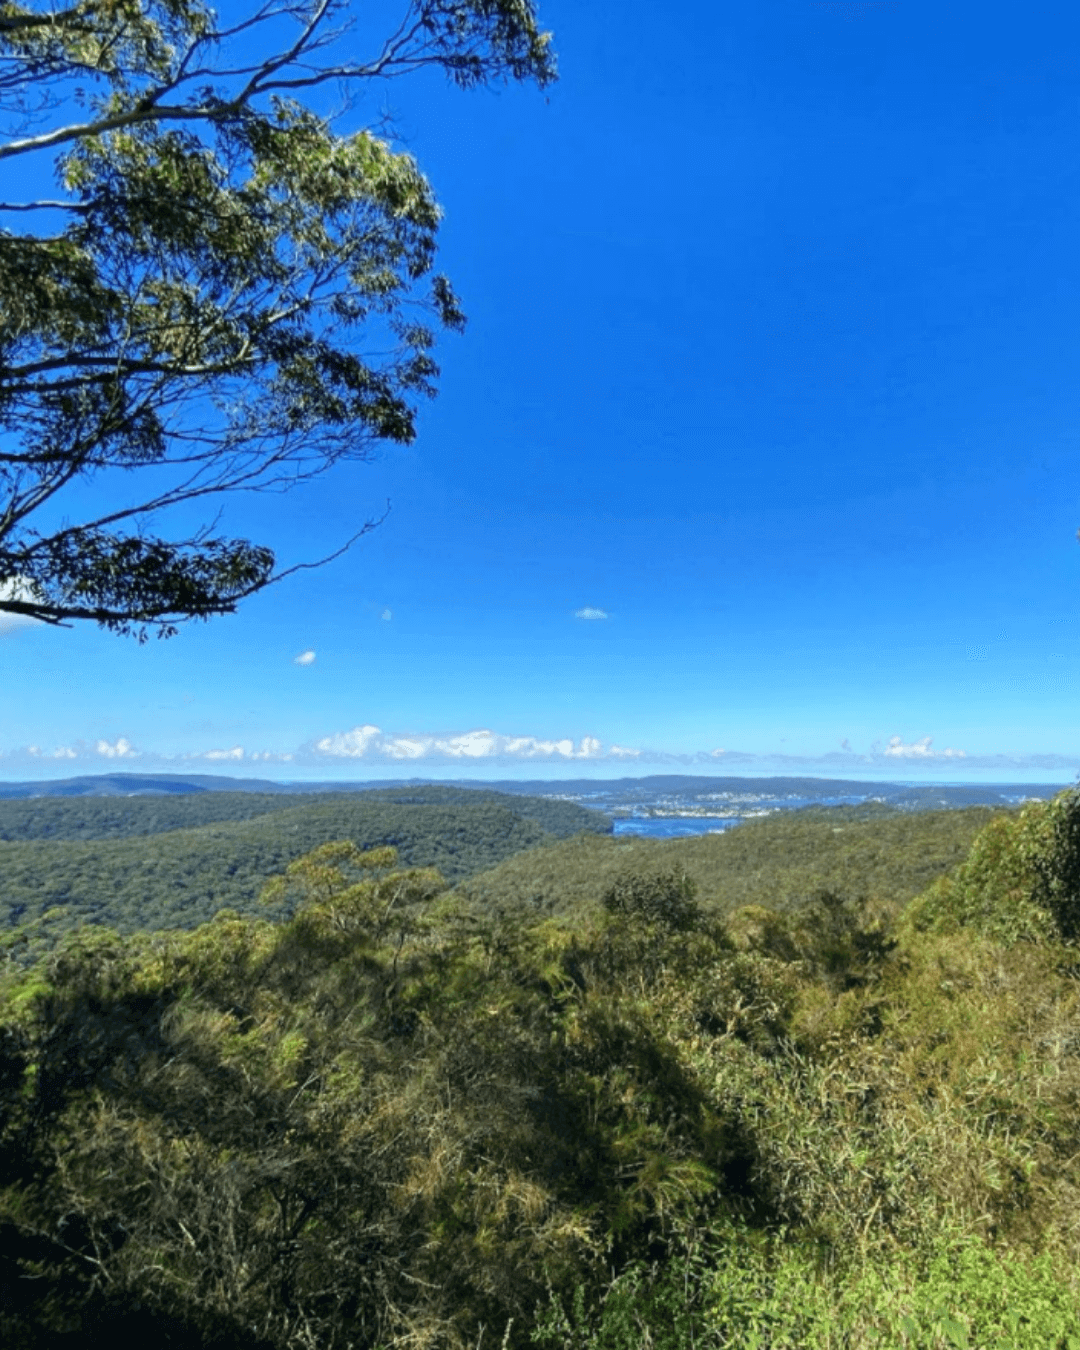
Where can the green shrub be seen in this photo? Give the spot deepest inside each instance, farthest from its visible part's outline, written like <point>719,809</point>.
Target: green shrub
<point>745,1290</point>
<point>1020,882</point>
<point>665,898</point>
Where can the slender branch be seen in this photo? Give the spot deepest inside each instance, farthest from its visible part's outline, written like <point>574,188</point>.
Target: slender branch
<point>289,56</point>
<point>55,613</point>
<point>80,130</point>
<point>79,207</point>
<point>201,321</point>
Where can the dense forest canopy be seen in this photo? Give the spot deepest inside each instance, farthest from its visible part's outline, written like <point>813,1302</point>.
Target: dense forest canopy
<point>173,862</point>
<point>111,817</point>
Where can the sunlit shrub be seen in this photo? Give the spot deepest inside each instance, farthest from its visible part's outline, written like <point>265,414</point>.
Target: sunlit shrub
<point>1020,882</point>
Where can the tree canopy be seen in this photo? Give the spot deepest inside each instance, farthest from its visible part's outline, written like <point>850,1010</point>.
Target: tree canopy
<point>224,291</point>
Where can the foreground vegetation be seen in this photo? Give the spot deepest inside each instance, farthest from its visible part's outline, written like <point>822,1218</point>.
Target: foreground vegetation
<point>658,1115</point>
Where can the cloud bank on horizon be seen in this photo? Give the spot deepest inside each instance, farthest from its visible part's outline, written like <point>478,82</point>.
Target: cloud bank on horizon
<point>369,745</point>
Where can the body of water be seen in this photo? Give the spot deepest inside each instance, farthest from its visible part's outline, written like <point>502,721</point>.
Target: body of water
<point>678,814</point>
<point>675,827</point>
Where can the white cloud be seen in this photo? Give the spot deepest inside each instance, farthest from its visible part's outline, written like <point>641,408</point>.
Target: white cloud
<point>369,742</point>
<point>403,747</point>
<point>237,752</point>
<point>350,744</point>
<point>387,615</point>
<point>16,588</point>
<point>920,750</point>
<point>121,749</point>
<point>590,613</point>
<point>304,659</point>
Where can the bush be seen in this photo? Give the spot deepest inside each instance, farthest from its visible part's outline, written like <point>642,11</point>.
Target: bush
<point>1020,882</point>
<point>742,1288</point>
<point>665,898</point>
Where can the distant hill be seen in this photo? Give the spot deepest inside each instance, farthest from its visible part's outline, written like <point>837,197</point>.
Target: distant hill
<point>169,784</point>
<point>114,816</point>
<point>147,863</point>
<point>920,797</point>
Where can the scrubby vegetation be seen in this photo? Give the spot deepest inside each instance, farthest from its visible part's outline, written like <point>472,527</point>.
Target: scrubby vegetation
<point>649,1113</point>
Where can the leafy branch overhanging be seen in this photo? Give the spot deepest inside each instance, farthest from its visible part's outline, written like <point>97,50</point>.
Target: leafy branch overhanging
<point>227,295</point>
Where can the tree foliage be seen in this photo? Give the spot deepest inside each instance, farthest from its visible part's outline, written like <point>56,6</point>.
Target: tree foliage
<point>228,290</point>
<point>666,899</point>
<point>1020,882</point>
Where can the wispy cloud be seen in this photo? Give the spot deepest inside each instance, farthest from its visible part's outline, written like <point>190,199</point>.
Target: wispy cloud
<point>121,748</point>
<point>387,614</point>
<point>590,613</point>
<point>304,659</point>
<point>235,754</point>
<point>367,745</point>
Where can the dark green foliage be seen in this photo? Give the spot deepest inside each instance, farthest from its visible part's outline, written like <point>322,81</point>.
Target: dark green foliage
<point>664,898</point>
<point>839,939</point>
<point>1057,862</point>
<point>339,1126</point>
<point>1021,881</point>
<point>777,861</point>
<point>111,817</point>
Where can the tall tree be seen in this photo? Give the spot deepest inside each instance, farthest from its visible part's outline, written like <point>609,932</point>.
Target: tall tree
<point>227,293</point>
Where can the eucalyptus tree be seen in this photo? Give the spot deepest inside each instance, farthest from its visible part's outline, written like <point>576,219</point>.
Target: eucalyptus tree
<point>223,291</point>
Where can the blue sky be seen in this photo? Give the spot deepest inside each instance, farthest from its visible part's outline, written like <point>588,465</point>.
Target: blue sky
<point>758,454</point>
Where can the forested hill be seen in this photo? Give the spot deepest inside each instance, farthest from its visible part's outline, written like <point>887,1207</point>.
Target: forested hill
<point>114,817</point>
<point>128,864</point>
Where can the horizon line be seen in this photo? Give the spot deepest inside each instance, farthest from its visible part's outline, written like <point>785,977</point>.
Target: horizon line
<point>569,777</point>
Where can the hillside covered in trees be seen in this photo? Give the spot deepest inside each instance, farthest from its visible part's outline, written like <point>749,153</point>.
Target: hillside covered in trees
<point>152,863</point>
<point>149,863</point>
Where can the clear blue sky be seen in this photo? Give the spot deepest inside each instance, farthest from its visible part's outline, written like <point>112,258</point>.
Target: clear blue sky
<point>759,453</point>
